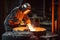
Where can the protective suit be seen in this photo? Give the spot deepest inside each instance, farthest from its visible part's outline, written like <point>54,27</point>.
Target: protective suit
<point>16,16</point>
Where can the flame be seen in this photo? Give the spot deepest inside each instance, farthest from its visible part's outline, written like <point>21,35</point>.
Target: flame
<point>31,27</point>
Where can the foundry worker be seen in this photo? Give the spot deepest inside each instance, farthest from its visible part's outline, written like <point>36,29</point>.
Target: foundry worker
<point>14,19</point>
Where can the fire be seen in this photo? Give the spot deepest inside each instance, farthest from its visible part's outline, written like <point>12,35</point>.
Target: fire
<point>31,28</point>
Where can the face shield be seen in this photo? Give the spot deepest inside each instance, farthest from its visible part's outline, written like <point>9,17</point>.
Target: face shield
<point>25,8</point>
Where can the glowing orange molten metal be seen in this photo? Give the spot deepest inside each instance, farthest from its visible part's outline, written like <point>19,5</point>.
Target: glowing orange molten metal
<point>37,29</point>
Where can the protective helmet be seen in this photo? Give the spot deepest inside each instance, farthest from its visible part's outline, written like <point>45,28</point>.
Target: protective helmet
<point>25,6</point>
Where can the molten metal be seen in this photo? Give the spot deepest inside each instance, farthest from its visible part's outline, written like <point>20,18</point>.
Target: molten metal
<point>30,27</point>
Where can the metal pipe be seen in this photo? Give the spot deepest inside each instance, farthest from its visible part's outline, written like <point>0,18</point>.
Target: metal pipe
<point>53,16</point>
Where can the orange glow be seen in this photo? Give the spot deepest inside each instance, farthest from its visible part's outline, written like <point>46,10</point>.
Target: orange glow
<point>30,27</point>
<point>37,29</point>
<point>56,25</point>
<point>53,16</point>
<point>28,21</point>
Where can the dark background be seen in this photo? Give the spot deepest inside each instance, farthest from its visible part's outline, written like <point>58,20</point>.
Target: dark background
<point>37,8</point>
